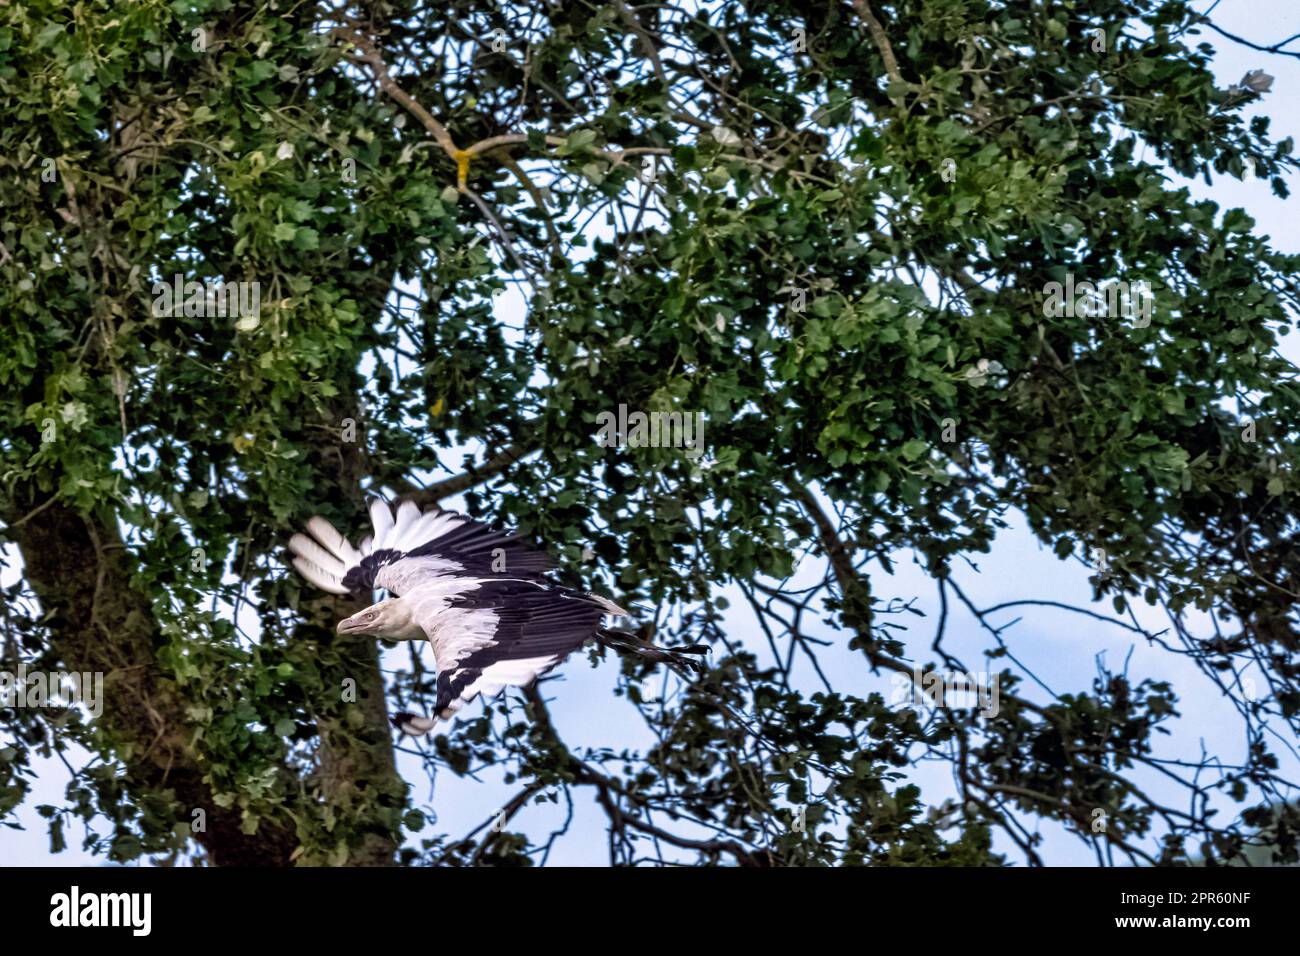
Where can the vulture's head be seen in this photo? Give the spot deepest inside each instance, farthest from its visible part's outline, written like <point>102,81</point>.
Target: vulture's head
<point>390,619</point>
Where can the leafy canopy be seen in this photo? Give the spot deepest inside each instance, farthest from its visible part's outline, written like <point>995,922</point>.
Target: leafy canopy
<point>828,228</point>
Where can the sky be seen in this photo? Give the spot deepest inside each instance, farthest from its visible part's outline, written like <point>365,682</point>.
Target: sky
<point>1055,645</point>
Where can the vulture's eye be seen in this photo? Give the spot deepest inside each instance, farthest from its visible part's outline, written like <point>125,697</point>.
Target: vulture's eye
<point>370,616</point>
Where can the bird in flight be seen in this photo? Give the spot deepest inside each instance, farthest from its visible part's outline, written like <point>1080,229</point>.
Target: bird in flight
<point>480,596</point>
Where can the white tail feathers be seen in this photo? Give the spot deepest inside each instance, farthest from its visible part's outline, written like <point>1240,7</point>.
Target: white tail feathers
<point>317,565</point>
<point>411,528</point>
<point>320,577</point>
<point>381,516</point>
<point>407,517</point>
<point>335,543</point>
<point>324,557</point>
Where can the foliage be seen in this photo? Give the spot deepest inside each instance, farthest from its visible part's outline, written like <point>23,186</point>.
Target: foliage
<point>747,212</point>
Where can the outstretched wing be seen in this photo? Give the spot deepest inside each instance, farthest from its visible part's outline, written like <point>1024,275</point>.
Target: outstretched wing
<point>504,633</point>
<point>409,546</point>
<point>479,594</point>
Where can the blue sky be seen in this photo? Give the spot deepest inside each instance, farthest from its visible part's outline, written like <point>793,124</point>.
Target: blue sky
<point>1057,646</point>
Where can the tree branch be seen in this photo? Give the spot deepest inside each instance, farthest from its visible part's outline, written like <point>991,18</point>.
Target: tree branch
<point>498,463</point>
<point>878,36</point>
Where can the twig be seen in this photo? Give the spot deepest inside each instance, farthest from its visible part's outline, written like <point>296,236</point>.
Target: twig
<point>881,40</point>
<point>473,476</point>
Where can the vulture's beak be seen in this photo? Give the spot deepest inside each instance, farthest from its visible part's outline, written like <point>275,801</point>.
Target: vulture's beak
<point>346,626</point>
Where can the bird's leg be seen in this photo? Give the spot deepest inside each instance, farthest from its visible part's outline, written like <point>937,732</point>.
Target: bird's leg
<point>677,658</point>
<point>411,725</point>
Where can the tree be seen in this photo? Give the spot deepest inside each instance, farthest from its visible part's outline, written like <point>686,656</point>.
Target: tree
<point>830,229</point>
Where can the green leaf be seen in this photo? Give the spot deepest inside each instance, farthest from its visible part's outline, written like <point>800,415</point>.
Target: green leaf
<point>915,448</point>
